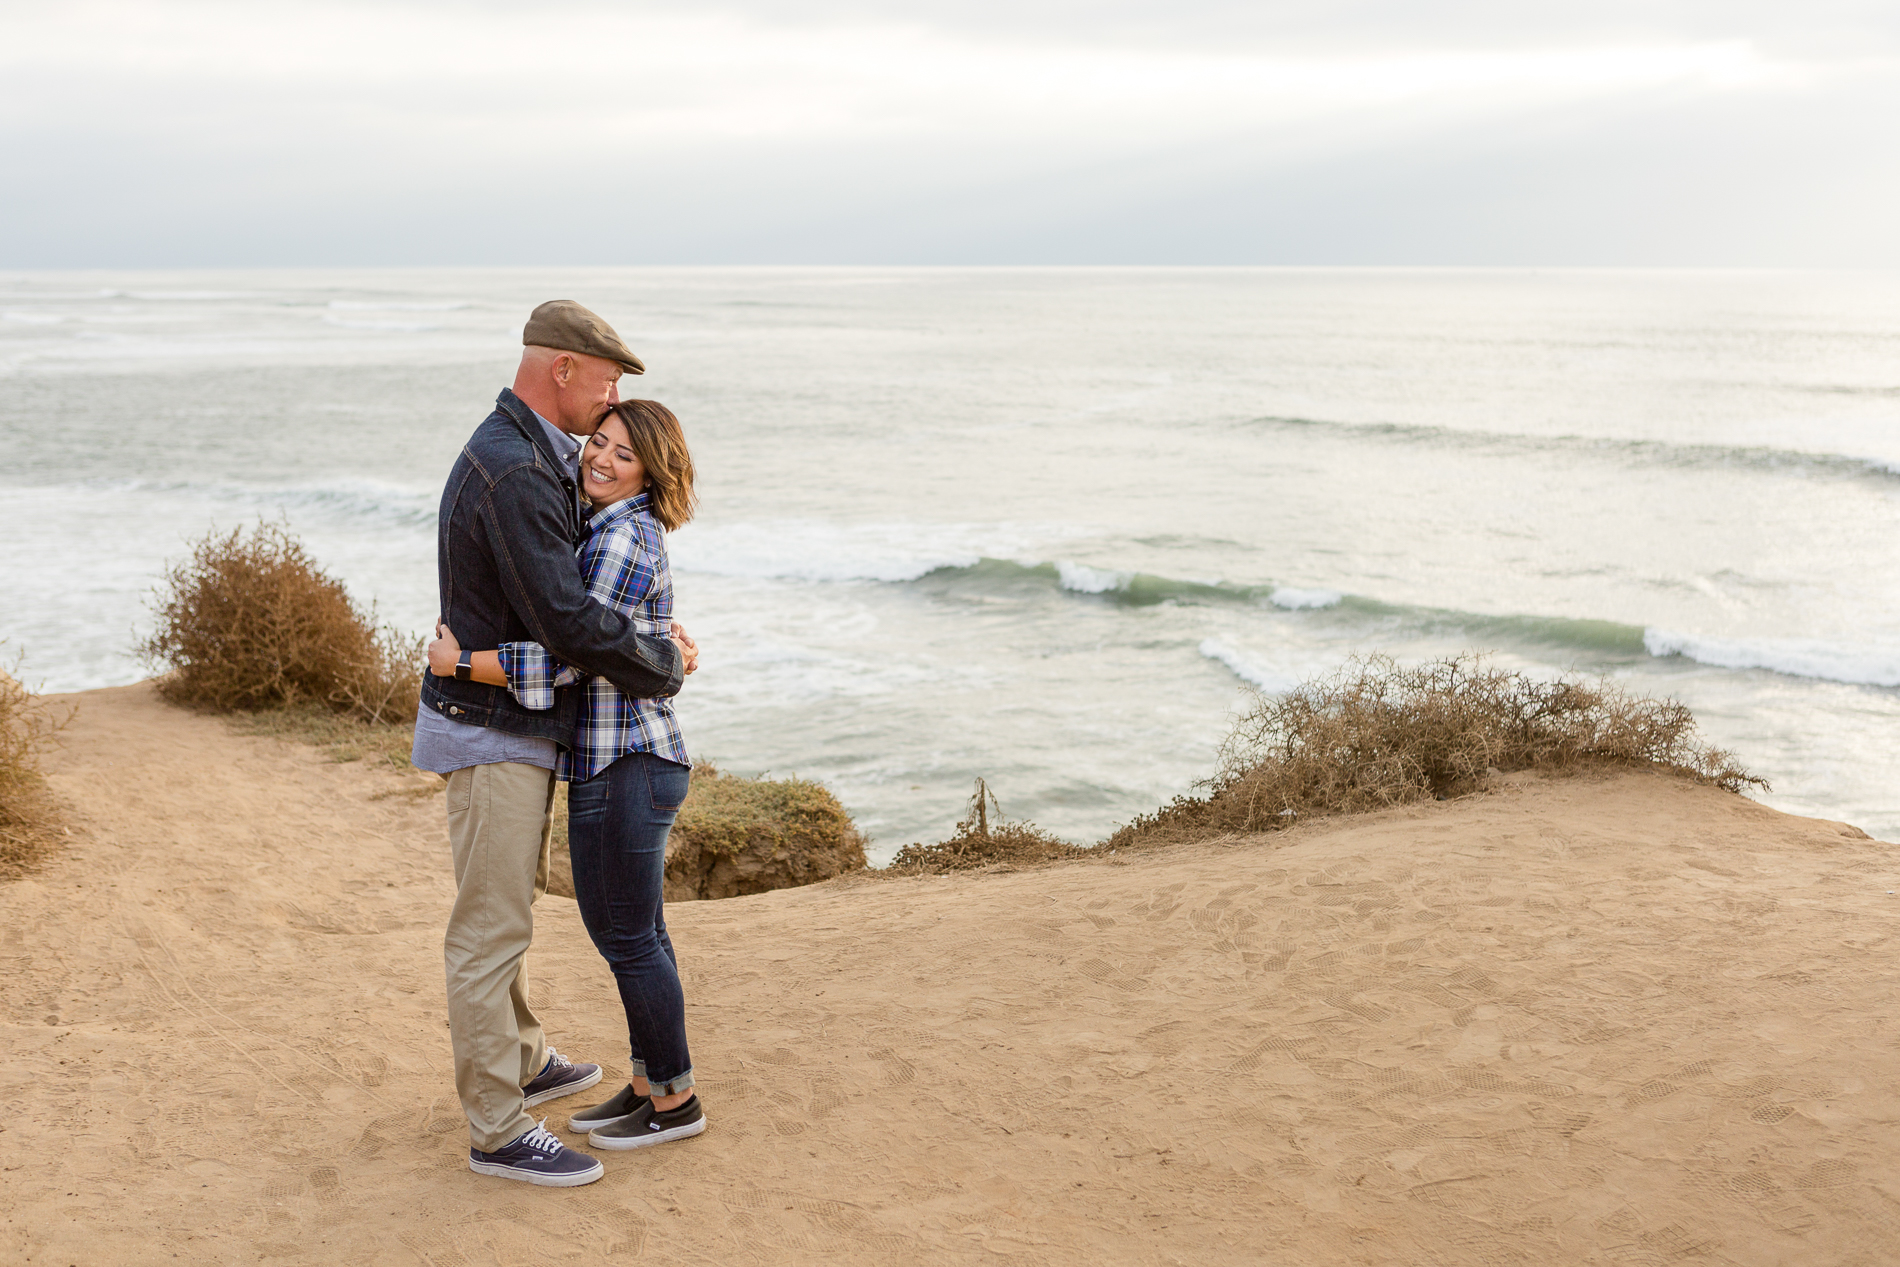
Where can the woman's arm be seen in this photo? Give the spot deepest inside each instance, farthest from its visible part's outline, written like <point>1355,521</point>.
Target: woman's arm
<point>525,668</point>
<point>445,651</point>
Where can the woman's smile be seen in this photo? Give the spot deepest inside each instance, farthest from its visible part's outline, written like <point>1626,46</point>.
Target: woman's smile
<point>611,470</point>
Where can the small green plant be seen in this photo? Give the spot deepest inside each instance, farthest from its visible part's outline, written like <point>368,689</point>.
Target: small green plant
<point>249,622</point>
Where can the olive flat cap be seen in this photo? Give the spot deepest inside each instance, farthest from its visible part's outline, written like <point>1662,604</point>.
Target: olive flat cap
<point>566,326</point>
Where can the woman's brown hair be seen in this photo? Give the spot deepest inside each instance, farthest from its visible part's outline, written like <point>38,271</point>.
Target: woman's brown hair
<point>661,446</point>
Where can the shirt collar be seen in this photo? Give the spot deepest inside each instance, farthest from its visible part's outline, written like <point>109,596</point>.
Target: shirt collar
<point>566,447</point>
<point>634,505</point>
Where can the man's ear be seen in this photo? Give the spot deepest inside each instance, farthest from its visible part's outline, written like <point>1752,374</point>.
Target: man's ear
<point>563,368</point>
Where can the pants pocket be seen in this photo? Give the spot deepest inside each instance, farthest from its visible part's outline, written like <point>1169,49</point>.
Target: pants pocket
<point>667,782</point>
<point>461,791</point>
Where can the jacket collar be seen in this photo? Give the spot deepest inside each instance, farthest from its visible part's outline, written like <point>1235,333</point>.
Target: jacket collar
<point>523,417</point>
<point>517,412</point>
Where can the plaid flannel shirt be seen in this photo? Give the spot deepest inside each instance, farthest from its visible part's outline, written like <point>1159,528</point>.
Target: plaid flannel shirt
<point>623,564</point>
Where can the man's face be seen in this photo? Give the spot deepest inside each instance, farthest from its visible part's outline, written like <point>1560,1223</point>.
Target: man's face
<point>586,390</point>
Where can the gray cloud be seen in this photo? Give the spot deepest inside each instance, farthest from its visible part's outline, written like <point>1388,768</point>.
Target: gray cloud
<point>1747,133</point>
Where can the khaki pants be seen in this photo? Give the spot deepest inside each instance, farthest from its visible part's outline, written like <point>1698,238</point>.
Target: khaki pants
<point>499,831</point>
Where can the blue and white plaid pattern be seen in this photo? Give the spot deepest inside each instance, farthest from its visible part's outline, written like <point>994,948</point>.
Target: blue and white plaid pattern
<point>623,564</point>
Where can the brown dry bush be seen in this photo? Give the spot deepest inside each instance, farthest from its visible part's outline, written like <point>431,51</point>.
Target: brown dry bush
<point>249,622</point>
<point>736,836</point>
<point>1378,734</point>
<point>983,838</point>
<point>29,817</point>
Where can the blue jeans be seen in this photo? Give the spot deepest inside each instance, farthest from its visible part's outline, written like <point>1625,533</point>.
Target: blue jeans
<point>617,823</point>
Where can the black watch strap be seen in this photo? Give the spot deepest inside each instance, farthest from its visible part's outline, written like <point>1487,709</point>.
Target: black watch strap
<point>463,670</point>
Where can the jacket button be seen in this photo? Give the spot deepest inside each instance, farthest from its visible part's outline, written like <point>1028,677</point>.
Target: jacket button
<point>456,711</point>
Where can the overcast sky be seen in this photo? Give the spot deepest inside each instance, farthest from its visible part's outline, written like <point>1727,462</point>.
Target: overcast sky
<point>1645,132</point>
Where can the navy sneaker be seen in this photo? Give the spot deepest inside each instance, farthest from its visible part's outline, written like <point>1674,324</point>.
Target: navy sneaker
<point>625,1103</point>
<point>559,1077</point>
<point>647,1125</point>
<point>539,1158</point>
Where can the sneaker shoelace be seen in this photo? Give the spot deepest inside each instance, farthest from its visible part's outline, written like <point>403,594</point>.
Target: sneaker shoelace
<point>555,1061</point>
<point>542,1140</point>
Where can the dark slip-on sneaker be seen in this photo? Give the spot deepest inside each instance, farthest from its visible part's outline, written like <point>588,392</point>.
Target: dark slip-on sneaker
<point>646,1126</point>
<point>622,1106</point>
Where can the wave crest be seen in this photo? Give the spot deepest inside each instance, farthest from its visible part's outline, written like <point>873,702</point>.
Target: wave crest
<point>1792,657</point>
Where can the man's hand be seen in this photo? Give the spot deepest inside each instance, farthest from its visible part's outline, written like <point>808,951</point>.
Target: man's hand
<point>689,650</point>
<point>444,652</point>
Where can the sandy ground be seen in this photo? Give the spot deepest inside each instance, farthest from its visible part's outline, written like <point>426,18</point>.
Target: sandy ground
<point>1612,1020</point>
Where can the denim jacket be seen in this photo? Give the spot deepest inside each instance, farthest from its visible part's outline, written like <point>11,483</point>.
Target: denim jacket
<point>505,570</point>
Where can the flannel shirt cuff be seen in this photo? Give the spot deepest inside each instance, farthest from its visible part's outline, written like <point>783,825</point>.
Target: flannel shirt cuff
<point>533,674</point>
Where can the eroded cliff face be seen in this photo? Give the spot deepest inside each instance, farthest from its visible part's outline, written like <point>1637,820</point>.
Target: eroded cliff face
<point>736,836</point>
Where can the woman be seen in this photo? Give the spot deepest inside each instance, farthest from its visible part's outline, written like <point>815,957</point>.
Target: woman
<point>627,770</point>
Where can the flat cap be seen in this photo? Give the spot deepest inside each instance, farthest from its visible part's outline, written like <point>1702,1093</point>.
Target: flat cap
<point>566,326</point>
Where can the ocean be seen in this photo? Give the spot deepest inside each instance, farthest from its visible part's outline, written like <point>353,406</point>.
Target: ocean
<point>1047,527</point>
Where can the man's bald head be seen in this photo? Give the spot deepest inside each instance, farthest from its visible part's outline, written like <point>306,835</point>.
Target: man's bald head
<point>572,390</point>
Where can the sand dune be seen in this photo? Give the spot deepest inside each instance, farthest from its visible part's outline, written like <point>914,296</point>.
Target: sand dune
<point>1615,1020</point>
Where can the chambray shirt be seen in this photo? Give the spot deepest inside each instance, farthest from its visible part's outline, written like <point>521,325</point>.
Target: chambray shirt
<point>445,746</point>
<point>623,565</point>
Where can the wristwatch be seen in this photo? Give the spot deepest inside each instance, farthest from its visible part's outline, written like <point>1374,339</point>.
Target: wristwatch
<point>464,670</point>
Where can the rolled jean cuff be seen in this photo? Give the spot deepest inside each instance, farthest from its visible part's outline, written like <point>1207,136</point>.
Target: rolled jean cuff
<point>672,1086</point>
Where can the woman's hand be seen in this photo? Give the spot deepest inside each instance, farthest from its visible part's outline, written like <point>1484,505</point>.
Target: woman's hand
<point>444,652</point>
<point>689,650</point>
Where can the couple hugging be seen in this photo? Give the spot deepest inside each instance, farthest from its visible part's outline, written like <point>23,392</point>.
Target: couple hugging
<point>551,560</point>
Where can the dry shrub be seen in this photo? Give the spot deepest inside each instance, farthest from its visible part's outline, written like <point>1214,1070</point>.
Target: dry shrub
<point>1378,734</point>
<point>29,817</point>
<point>250,622</point>
<point>735,836</point>
<point>982,839</point>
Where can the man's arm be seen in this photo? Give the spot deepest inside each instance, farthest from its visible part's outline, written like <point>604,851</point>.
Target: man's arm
<point>526,525</point>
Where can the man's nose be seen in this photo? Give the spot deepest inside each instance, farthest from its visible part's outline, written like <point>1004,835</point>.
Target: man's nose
<point>613,393</point>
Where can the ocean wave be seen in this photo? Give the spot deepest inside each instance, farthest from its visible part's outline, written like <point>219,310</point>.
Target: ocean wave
<point>355,305</point>
<point>814,551</point>
<point>1645,452</point>
<point>1083,579</point>
<point>365,502</point>
<point>1292,598</point>
<point>1246,668</point>
<point>189,295</point>
<point>381,327</point>
<point>1792,657</point>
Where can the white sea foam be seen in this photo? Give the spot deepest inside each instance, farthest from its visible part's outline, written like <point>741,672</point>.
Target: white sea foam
<point>1087,580</point>
<point>372,504</point>
<point>1295,599</point>
<point>1247,668</point>
<point>33,318</point>
<point>355,305</point>
<point>811,550</point>
<point>193,295</point>
<point>383,327</point>
<point>1796,657</point>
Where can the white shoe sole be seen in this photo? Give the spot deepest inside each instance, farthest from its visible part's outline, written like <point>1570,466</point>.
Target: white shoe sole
<point>577,1128</point>
<point>539,1180</point>
<point>649,1139</point>
<point>555,1093</point>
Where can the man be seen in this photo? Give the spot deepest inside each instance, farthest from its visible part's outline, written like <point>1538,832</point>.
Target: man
<point>511,516</point>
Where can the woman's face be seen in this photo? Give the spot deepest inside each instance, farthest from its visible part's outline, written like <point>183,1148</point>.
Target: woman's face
<point>610,470</point>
